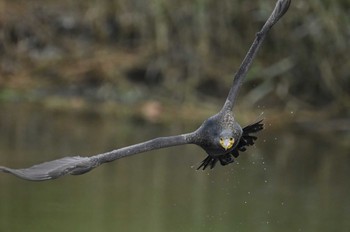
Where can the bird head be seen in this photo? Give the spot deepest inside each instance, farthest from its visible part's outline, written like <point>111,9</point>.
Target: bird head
<point>230,134</point>
<point>220,134</point>
<point>227,139</point>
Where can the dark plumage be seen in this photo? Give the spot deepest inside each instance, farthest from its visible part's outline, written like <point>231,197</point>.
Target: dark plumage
<point>244,139</point>
<point>220,135</point>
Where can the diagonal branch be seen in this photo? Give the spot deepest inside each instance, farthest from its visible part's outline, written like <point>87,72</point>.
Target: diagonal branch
<point>280,9</point>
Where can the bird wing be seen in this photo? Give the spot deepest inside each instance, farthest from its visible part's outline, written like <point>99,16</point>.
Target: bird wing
<point>77,165</point>
<point>280,9</point>
<point>51,169</point>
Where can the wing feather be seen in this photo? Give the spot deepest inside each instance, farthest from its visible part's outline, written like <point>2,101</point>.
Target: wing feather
<point>279,10</point>
<point>77,165</point>
<point>53,169</point>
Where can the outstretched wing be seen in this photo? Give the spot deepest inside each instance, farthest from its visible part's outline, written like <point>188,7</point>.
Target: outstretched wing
<point>280,9</point>
<point>53,169</point>
<point>78,165</point>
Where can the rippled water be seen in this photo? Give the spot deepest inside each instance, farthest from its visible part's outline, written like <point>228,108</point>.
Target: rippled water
<point>293,180</point>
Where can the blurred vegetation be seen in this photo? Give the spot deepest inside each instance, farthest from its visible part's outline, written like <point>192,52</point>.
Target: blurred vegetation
<point>127,51</point>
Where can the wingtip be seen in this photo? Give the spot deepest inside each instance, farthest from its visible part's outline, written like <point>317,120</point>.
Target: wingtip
<point>75,165</point>
<point>23,174</point>
<point>281,8</point>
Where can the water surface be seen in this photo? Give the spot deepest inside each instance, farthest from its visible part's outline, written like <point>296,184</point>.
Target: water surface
<point>293,180</point>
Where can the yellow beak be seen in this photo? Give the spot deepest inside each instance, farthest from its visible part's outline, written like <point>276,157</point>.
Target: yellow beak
<point>227,143</point>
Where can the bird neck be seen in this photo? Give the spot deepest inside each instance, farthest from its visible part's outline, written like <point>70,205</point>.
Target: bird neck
<point>226,114</point>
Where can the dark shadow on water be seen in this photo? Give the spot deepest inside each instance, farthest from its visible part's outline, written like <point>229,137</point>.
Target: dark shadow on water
<point>293,180</point>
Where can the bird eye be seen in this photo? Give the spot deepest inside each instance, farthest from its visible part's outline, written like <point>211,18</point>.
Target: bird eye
<point>231,139</point>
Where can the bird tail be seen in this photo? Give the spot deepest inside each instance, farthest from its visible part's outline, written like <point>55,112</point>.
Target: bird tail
<point>253,128</point>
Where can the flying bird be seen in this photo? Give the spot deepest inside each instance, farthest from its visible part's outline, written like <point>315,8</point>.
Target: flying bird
<point>221,137</point>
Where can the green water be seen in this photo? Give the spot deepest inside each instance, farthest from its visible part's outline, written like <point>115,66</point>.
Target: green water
<point>293,180</point>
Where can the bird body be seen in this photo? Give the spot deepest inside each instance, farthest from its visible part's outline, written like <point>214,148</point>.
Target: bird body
<point>220,135</point>
<point>217,130</point>
<point>222,138</point>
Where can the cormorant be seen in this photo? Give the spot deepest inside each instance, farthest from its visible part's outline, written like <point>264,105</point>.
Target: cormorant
<point>220,135</point>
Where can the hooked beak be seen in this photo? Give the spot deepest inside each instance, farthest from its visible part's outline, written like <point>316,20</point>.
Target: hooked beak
<point>227,143</point>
